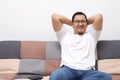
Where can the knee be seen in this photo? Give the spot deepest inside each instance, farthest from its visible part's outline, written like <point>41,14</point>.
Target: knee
<point>54,76</point>
<point>107,77</point>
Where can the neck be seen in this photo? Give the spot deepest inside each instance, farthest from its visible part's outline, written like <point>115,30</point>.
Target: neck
<point>78,33</point>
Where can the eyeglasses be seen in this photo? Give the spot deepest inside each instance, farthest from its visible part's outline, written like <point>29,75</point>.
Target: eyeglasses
<point>79,21</point>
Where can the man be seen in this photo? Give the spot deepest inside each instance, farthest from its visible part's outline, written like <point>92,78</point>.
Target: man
<point>78,48</point>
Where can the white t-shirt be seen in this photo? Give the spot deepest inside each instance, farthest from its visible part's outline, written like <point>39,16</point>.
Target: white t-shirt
<point>78,51</point>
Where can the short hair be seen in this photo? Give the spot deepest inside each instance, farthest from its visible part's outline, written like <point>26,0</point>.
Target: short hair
<point>78,13</point>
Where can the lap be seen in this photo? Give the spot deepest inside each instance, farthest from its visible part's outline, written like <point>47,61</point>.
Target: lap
<point>62,73</point>
<point>65,73</point>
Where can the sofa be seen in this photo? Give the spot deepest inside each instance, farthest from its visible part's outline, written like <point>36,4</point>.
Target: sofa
<point>35,60</point>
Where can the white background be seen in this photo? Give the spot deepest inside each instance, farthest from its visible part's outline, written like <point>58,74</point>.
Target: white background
<point>31,19</point>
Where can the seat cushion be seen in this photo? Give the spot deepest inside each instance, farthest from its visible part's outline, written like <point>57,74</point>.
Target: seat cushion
<point>9,65</point>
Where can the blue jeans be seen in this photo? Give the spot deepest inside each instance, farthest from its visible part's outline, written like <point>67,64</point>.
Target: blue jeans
<point>66,73</point>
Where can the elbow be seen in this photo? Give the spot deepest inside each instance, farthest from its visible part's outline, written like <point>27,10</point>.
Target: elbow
<point>99,17</point>
<point>54,16</point>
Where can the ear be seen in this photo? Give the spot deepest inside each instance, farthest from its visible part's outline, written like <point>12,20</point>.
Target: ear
<point>72,24</point>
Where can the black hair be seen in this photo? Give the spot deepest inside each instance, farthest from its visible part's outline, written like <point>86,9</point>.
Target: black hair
<point>78,13</point>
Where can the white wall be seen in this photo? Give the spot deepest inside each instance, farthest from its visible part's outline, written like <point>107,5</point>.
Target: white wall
<point>31,19</point>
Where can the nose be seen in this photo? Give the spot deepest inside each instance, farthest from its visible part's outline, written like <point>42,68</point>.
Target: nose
<point>80,23</point>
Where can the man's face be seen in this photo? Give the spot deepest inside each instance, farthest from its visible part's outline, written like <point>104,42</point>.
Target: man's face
<point>79,24</point>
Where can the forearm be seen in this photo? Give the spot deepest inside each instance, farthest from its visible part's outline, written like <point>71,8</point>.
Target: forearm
<point>59,20</point>
<point>62,19</point>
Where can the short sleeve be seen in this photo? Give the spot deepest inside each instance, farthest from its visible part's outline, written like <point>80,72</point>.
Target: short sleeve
<point>95,34</point>
<point>60,34</point>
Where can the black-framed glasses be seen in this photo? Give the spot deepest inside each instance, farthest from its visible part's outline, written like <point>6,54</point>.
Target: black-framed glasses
<point>79,21</point>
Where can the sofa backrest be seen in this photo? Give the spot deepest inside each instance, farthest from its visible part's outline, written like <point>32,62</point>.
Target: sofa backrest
<point>43,57</point>
<point>29,57</point>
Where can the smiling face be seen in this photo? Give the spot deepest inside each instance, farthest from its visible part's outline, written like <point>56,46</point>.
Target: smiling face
<point>79,24</point>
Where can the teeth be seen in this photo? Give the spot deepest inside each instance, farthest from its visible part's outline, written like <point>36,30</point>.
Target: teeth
<point>80,27</point>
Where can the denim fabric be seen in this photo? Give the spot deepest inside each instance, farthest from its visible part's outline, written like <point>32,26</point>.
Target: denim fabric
<point>66,73</point>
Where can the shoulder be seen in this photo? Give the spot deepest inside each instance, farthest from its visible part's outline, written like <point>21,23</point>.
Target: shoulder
<point>93,32</point>
<point>62,32</point>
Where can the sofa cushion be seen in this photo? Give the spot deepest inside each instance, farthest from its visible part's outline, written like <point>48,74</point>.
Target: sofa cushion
<point>115,77</point>
<point>7,76</point>
<point>32,50</point>
<point>9,65</point>
<point>51,65</point>
<point>53,50</point>
<point>111,66</point>
<point>108,49</point>
<point>10,49</point>
<point>33,66</point>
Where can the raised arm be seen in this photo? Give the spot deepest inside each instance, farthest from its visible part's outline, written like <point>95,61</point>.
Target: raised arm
<point>96,21</point>
<point>59,20</point>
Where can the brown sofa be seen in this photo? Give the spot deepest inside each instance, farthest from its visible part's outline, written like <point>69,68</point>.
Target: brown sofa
<point>37,59</point>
